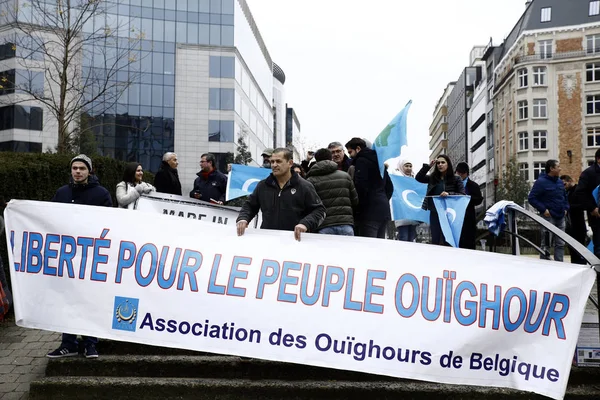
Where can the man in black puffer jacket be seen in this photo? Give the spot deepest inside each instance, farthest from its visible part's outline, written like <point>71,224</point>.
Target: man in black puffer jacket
<point>336,190</point>
<point>287,202</point>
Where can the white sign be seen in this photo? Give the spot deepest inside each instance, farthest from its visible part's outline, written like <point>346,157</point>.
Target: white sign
<point>379,306</point>
<point>186,207</point>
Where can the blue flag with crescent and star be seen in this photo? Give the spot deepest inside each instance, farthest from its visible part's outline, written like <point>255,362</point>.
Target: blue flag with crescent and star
<point>243,180</point>
<point>451,213</point>
<point>390,141</point>
<point>407,199</point>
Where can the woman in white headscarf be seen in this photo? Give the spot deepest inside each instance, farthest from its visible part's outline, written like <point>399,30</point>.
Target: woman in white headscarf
<point>406,228</point>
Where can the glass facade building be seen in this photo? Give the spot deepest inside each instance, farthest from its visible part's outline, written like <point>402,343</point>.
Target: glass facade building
<point>200,77</point>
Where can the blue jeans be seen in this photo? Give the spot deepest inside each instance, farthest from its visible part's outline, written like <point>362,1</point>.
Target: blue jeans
<point>70,341</point>
<point>343,230</point>
<point>547,237</point>
<point>407,233</point>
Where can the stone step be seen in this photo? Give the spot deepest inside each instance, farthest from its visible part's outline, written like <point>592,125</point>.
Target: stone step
<point>114,347</point>
<point>111,388</point>
<point>228,367</point>
<point>225,367</point>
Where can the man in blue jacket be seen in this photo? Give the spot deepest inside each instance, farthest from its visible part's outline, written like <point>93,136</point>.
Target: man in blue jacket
<point>211,184</point>
<point>548,196</point>
<point>84,189</point>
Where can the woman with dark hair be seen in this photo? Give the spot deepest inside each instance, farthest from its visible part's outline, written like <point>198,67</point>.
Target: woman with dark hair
<point>297,168</point>
<point>440,182</point>
<point>132,187</point>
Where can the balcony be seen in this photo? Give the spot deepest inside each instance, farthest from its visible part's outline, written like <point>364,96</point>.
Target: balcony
<point>557,56</point>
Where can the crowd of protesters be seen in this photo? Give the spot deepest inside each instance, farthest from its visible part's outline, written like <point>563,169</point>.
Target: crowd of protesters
<point>338,190</point>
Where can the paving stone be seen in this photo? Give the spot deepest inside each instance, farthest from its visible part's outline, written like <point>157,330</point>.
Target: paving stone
<point>34,345</point>
<point>22,369</point>
<point>23,360</point>
<point>40,361</point>
<point>32,338</point>
<point>5,353</point>
<point>23,387</point>
<point>38,353</point>
<point>6,369</point>
<point>16,346</point>
<point>13,396</point>
<point>20,353</point>
<point>6,379</point>
<point>7,360</point>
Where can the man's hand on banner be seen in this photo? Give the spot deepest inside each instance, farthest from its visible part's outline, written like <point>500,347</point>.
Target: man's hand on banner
<point>298,229</point>
<point>241,227</point>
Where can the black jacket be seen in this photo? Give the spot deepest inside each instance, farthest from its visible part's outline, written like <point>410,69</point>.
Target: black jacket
<point>452,184</point>
<point>336,190</point>
<point>374,192</point>
<point>213,187</point>
<point>91,193</point>
<point>469,229</point>
<point>588,181</point>
<point>166,180</point>
<point>283,209</point>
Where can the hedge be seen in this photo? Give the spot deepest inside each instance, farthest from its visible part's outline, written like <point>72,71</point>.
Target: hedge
<point>37,176</point>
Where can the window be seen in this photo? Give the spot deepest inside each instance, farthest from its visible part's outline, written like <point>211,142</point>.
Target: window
<point>539,76</point>
<point>21,117</point>
<point>594,8</point>
<point>593,44</point>
<point>523,141</point>
<point>540,108</point>
<point>221,99</point>
<point>593,137</point>
<point>7,50</point>
<point>524,170</point>
<point>593,104</point>
<point>539,140</point>
<point>222,67</point>
<point>21,81</point>
<point>522,110</point>
<point>522,77</point>
<point>545,49</point>
<point>546,14</point>
<point>592,72</point>
<point>220,131</point>
<point>538,169</point>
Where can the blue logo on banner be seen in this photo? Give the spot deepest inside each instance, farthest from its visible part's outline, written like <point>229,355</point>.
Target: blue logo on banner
<point>125,313</point>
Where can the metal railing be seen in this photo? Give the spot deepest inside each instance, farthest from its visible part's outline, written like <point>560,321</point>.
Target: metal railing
<point>557,56</point>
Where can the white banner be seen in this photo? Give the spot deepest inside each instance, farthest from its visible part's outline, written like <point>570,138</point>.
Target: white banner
<point>186,207</point>
<point>378,306</point>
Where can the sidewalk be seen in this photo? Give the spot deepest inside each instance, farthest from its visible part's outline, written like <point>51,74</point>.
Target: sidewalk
<point>22,358</point>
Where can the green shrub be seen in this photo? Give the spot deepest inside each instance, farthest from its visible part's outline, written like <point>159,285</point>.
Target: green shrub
<point>37,176</point>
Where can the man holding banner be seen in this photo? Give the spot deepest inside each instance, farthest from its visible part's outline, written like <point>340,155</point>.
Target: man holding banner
<point>84,189</point>
<point>287,202</point>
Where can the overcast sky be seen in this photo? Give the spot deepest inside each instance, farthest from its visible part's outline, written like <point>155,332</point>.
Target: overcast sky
<point>351,65</point>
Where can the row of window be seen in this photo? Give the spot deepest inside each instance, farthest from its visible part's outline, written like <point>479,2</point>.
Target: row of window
<point>539,77</point>
<point>212,6</point>
<point>222,67</point>
<point>21,81</point>
<point>546,12</point>
<point>538,169</point>
<point>540,109</point>
<point>539,140</point>
<point>21,117</point>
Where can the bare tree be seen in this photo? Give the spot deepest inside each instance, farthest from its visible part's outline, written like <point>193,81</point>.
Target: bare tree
<point>79,49</point>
